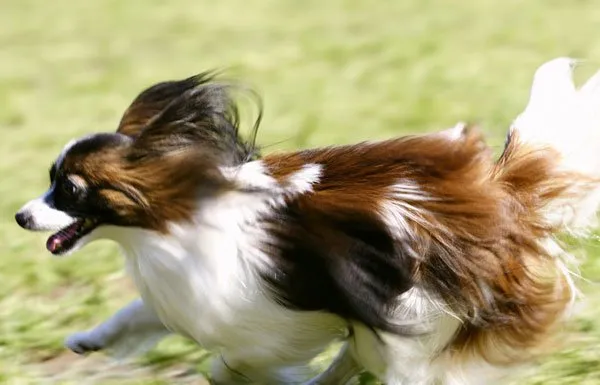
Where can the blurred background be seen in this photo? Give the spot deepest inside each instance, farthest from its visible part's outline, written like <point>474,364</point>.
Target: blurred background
<point>334,71</point>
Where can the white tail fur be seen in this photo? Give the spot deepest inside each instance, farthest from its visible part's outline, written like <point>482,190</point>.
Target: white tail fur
<point>566,118</point>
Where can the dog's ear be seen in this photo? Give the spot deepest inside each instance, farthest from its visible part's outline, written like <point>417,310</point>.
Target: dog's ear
<point>204,119</point>
<point>150,102</point>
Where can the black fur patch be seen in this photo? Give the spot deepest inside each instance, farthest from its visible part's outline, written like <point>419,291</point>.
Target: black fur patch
<point>349,266</point>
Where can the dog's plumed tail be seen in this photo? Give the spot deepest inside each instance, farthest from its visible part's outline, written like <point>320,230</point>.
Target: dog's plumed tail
<point>565,119</point>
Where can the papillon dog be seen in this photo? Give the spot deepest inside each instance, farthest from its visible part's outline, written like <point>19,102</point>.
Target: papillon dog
<point>430,258</point>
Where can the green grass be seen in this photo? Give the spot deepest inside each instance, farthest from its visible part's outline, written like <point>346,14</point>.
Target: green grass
<point>331,71</point>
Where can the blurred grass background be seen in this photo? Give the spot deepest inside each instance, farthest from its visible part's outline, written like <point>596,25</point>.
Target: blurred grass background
<point>333,71</point>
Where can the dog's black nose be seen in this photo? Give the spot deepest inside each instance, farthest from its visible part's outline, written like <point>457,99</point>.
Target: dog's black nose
<point>22,219</point>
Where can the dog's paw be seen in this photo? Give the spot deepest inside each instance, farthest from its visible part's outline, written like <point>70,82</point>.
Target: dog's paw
<point>83,343</point>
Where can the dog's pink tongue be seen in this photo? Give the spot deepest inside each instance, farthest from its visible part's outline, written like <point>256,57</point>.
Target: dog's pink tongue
<point>54,243</point>
<point>57,242</point>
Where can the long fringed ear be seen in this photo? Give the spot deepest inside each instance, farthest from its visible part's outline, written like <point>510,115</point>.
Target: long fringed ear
<point>154,99</point>
<point>204,117</point>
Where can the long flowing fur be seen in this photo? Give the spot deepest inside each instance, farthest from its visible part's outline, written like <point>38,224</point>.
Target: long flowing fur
<point>434,255</point>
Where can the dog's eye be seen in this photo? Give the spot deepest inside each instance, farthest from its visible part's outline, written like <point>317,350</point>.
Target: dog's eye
<point>70,188</point>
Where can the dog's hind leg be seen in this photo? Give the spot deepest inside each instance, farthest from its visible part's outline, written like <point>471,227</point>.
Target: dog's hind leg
<point>227,370</point>
<point>132,330</point>
<point>259,366</point>
<point>343,368</point>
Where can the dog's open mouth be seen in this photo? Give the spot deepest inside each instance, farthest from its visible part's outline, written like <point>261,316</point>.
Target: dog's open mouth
<point>65,239</point>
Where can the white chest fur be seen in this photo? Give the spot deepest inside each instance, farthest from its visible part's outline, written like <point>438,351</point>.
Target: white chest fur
<point>202,281</point>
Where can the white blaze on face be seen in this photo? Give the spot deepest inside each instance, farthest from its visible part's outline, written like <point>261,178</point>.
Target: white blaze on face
<point>42,216</point>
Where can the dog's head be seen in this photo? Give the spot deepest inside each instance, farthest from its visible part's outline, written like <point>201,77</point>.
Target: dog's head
<point>170,148</point>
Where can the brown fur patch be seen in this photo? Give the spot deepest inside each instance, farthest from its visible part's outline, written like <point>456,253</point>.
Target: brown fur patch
<point>479,233</point>
<point>148,192</point>
<point>359,176</point>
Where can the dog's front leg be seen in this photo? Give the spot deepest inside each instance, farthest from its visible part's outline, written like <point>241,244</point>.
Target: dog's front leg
<point>132,330</point>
